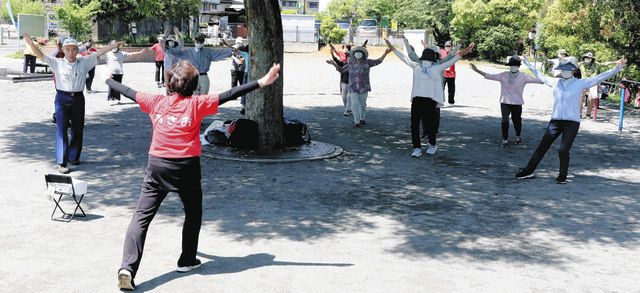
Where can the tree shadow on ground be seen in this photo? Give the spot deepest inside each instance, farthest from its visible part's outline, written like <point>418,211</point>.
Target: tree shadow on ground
<point>463,201</point>
<point>216,265</point>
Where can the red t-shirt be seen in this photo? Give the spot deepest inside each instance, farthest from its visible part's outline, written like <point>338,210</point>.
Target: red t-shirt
<point>176,122</point>
<point>157,49</point>
<point>451,71</point>
<point>89,51</point>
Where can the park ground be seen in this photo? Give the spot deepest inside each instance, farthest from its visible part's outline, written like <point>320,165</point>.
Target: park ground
<point>371,220</point>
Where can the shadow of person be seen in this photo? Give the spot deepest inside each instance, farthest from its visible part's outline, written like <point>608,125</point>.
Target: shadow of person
<point>217,265</point>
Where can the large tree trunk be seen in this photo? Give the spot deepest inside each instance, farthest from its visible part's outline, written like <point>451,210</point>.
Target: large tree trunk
<point>265,105</point>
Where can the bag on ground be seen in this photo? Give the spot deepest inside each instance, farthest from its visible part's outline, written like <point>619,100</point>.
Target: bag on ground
<point>296,132</point>
<point>243,133</point>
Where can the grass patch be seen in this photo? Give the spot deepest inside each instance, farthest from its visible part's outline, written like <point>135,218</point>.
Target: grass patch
<point>16,55</point>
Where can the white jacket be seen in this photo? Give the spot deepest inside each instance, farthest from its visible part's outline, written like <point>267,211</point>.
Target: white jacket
<point>427,80</point>
<point>567,93</point>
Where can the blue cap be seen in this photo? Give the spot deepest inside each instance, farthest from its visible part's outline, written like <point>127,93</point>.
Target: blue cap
<point>570,63</point>
<point>566,66</point>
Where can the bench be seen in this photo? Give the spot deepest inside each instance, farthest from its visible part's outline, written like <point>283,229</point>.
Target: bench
<point>45,66</point>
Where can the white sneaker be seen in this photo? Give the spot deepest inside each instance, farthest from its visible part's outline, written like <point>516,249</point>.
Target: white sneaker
<point>431,150</point>
<point>417,152</point>
<point>125,282</point>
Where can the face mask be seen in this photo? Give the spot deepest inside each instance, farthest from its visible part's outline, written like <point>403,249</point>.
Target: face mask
<point>514,69</point>
<point>358,55</point>
<point>566,74</point>
<point>588,60</point>
<point>172,44</point>
<point>448,49</point>
<point>199,45</point>
<point>115,50</point>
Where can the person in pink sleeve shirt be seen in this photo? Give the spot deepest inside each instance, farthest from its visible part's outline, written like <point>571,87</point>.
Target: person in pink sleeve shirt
<point>158,51</point>
<point>512,84</point>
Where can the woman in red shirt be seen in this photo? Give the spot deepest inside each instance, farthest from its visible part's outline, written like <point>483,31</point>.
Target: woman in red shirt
<point>174,159</point>
<point>158,51</point>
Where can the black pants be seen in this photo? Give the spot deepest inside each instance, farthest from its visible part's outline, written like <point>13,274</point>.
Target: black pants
<point>160,71</point>
<point>516,116</point>
<point>89,80</point>
<point>424,123</point>
<point>29,62</point>
<point>161,177</point>
<point>115,95</point>
<point>569,131</point>
<point>450,82</point>
<point>423,109</point>
<point>237,78</point>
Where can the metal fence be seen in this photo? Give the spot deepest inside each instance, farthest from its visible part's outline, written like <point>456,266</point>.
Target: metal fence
<point>299,34</point>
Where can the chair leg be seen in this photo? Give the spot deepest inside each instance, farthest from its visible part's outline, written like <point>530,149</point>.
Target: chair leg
<point>57,206</point>
<point>78,206</point>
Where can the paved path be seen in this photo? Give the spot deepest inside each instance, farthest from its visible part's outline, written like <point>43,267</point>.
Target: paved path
<point>372,220</point>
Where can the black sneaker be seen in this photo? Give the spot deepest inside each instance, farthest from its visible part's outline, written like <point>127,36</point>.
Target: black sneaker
<point>187,268</point>
<point>561,179</point>
<point>53,119</point>
<point>524,174</point>
<point>518,140</point>
<point>242,111</point>
<point>125,281</point>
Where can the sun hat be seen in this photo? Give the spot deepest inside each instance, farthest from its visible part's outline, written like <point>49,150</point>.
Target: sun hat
<point>514,61</point>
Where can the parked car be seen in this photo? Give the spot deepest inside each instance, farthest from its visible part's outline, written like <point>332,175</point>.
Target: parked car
<point>343,25</point>
<point>367,27</point>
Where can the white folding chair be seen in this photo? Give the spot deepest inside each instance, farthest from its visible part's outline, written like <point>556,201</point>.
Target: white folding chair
<point>62,185</point>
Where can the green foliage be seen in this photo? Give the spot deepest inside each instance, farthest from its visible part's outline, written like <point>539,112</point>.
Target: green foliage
<point>353,10</point>
<point>123,10</point>
<point>330,31</point>
<point>379,8</point>
<point>499,23</point>
<point>426,14</point>
<point>580,26</point>
<point>76,19</point>
<point>497,42</point>
<point>21,7</point>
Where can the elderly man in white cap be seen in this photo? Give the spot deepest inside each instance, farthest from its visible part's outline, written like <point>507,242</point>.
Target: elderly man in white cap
<point>70,72</point>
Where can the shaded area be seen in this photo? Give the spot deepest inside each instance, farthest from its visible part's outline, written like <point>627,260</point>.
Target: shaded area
<point>462,202</point>
<point>215,265</point>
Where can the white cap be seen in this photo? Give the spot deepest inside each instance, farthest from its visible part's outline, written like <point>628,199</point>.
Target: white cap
<point>69,42</point>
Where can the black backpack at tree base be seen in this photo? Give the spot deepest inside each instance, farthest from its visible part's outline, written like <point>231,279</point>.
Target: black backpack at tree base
<point>296,132</point>
<point>243,133</point>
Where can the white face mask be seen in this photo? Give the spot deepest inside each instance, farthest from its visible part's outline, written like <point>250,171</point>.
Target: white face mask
<point>566,74</point>
<point>115,50</point>
<point>514,69</point>
<point>426,63</point>
<point>199,45</point>
<point>358,55</point>
<point>588,60</point>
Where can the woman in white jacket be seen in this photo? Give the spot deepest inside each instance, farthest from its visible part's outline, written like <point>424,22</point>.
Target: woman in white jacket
<point>426,93</point>
<point>565,114</point>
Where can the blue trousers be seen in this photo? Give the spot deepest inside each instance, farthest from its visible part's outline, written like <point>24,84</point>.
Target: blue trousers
<point>69,109</point>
